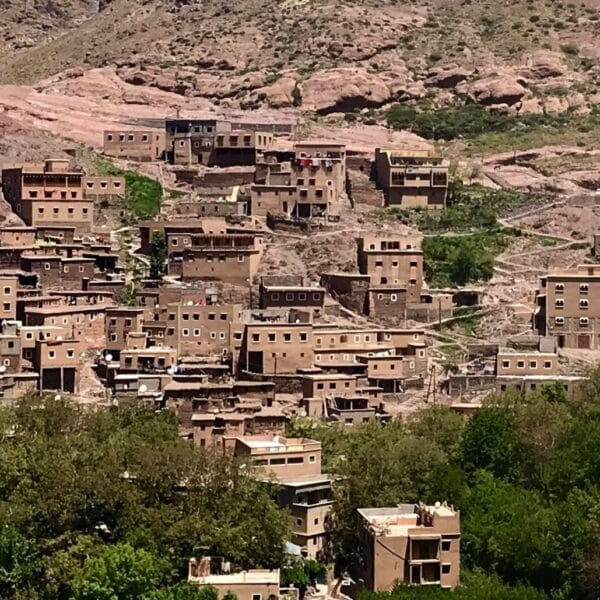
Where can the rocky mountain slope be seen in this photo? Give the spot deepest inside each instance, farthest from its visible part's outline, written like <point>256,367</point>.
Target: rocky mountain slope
<point>321,55</point>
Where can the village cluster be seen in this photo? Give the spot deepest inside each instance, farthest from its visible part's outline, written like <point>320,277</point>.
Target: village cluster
<point>236,354</point>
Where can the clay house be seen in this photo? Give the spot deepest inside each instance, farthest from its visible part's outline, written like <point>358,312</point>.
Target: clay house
<point>120,321</point>
<point>295,464</point>
<point>232,258</point>
<point>349,289</point>
<point>17,236</point>
<point>395,261</point>
<point>414,544</point>
<point>140,146</point>
<point>10,347</point>
<point>156,359</point>
<point>290,291</point>
<point>50,194</point>
<point>276,348</point>
<point>337,397</point>
<point>99,187</point>
<point>8,296</point>
<point>58,363</point>
<point>308,188</point>
<point>84,323</point>
<point>55,271</point>
<point>59,234</point>
<point>567,308</point>
<point>411,178</point>
<point>196,329</point>
<point>254,584</point>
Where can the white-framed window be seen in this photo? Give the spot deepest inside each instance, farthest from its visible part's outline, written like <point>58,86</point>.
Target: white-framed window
<point>302,296</point>
<point>70,353</point>
<point>411,364</point>
<point>289,297</point>
<point>584,321</point>
<point>559,303</point>
<point>275,296</point>
<point>520,364</point>
<point>506,364</point>
<point>584,288</point>
<point>241,258</point>
<point>547,364</point>
<point>317,358</point>
<point>47,266</point>
<point>584,303</point>
<point>393,297</point>
<point>559,287</point>
<point>196,333</point>
<point>213,335</point>
<point>185,332</point>
<point>221,335</point>
<point>533,364</point>
<point>312,459</point>
<point>559,320</point>
<point>51,354</point>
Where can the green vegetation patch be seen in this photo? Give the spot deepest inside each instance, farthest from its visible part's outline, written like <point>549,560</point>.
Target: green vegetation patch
<point>456,260</point>
<point>489,129</point>
<point>143,194</point>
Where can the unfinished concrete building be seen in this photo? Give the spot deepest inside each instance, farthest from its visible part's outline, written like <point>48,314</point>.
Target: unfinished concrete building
<point>414,544</point>
<point>411,178</point>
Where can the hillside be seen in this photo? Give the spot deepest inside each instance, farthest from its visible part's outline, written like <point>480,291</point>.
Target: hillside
<point>320,55</point>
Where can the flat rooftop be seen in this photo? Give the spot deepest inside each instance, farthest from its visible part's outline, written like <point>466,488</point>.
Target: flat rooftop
<point>254,576</point>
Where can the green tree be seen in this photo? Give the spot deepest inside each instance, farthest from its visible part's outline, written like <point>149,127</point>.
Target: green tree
<point>118,571</point>
<point>158,255</point>
<point>19,562</point>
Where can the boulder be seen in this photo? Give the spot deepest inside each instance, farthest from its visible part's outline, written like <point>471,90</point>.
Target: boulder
<point>280,93</point>
<point>447,77</point>
<point>542,65</point>
<point>343,90</point>
<point>499,89</point>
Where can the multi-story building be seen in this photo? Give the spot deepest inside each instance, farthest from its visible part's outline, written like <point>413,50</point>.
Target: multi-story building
<point>309,188</point>
<point>394,261</point>
<point>277,348</point>
<point>58,363</point>
<point>295,463</point>
<point>17,236</point>
<point>141,146</point>
<point>8,296</point>
<point>288,291</point>
<point>411,178</point>
<point>231,258</point>
<point>410,544</point>
<point>50,194</point>
<point>567,307</point>
<point>103,187</point>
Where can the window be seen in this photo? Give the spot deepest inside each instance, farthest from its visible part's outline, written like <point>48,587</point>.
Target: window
<point>223,317</point>
<point>506,364</point>
<point>303,337</point>
<point>185,332</point>
<point>301,296</point>
<point>256,337</point>
<point>584,303</point>
<point>446,544</point>
<point>584,321</point>
<point>584,288</point>
<point>299,524</point>
<point>559,287</point>
<point>520,364</point>
<point>51,354</point>
<point>271,337</point>
<point>6,306</point>
<point>559,320</point>
<point>66,269</point>
<point>559,303</point>
<point>196,332</point>
<point>213,335</point>
<point>47,266</point>
<point>212,316</point>
<point>221,335</point>
<point>70,353</point>
<point>393,297</point>
<point>240,259</point>
<point>287,337</point>
<point>533,364</point>
<point>547,364</point>
<point>317,296</point>
<point>6,291</point>
<point>312,459</point>
<point>445,568</point>
<point>289,297</point>
<point>113,337</point>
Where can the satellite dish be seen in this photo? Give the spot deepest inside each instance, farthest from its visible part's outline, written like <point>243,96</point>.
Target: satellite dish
<point>2,369</point>
<point>143,388</point>
<point>109,357</point>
